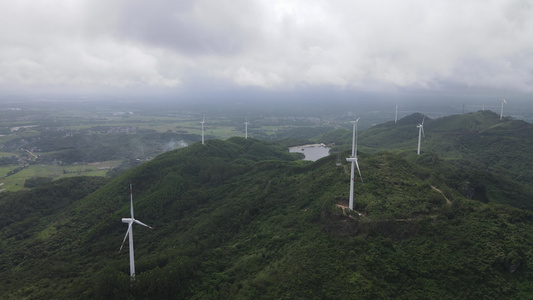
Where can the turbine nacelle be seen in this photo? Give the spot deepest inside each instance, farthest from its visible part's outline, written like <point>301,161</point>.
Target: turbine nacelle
<point>421,127</point>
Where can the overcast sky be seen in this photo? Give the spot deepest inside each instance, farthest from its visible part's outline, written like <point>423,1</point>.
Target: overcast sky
<point>173,47</point>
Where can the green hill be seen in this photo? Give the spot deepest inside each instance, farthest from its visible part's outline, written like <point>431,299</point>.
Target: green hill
<point>240,219</point>
<point>478,140</point>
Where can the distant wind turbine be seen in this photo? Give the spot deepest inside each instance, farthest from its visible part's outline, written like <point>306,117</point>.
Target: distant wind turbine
<point>420,133</point>
<point>246,129</point>
<point>203,122</point>
<point>353,160</point>
<point>129,234</point>
<point>396,115</point>
<point>501,111</point>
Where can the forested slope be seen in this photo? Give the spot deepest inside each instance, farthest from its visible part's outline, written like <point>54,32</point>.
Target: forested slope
<point>241,219</point>
<point>477,140</point>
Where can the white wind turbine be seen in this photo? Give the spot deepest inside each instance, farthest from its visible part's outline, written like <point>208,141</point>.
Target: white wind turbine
<point>246,129</point>
<point>501,110</point>
<point>420,133</point>
<point>203,131</point>
<point>129,234</point>
<point>353,160</point>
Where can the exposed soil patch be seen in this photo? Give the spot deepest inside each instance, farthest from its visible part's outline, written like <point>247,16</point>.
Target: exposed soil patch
<point>342,225</point>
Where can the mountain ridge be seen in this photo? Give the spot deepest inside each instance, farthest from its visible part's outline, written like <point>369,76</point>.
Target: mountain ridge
<point>480,140</point>
<point>243,219</point>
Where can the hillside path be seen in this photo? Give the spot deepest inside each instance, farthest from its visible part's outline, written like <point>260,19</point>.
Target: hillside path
<point>447,200</point>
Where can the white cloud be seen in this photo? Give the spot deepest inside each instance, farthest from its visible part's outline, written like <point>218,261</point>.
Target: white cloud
<point>371,45</point>
<point>55,43</point>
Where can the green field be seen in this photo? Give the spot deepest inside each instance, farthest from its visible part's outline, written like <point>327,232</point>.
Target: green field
<point>48,132</point>
<point>7,154</point>
<point>16,181</point>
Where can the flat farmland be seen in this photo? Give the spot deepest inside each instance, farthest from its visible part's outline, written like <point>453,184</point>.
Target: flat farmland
<point>16,181</point>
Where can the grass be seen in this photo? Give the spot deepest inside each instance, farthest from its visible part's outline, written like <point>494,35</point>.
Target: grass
<point>47,232</point>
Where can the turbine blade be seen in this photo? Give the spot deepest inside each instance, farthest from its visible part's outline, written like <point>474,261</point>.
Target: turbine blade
<point>125,237</point>
<point>131,202</point>
<point>423,135</point>
<point>355,151</point>
<point>504,101</point>
<point>141,223</point>
<point>353,138</point>
<point>357,165</point>
<point>423,119</point>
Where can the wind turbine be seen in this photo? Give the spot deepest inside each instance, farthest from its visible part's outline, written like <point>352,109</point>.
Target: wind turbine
<point>396,115</point>
<point>129,234</point>
<point>203,131</point>
<point>246,129</point>
<point>501,111</point>
<point>353,160</point>
<point>420,133</point>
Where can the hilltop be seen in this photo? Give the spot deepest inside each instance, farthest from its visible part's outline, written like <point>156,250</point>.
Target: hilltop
<point>478,140</point>
<point>242,219</point>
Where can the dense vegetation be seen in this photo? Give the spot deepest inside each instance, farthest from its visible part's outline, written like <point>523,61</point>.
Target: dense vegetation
<point>241,219</point>
<point>476,140</point>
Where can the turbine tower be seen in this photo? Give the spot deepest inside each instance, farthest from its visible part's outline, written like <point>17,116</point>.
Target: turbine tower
<point>396,115</point>
<point>129,234</point>
<point>420,133</point>
<point>353,160</point>
<point>246,129</point>
<point>203,131</point>
<point>501,110</point>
